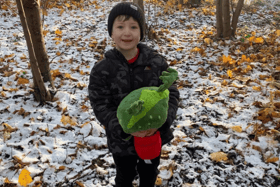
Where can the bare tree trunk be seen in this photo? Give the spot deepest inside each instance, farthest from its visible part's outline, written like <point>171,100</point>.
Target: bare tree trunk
<point>32,13</point>
<point>44,94</point>
<point>226,17</point>
<point>235,16</point>
<point>219,18</point>
<point>140,3</point>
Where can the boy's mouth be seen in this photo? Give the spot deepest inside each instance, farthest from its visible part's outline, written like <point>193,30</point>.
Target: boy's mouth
<point>126,40</point>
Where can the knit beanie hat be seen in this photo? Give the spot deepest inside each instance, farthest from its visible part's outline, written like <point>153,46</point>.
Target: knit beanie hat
<point>127,8</point>
<point>148,148</point>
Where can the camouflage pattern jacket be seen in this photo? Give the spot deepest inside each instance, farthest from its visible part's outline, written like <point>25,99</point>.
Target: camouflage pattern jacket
<point>113,78</point>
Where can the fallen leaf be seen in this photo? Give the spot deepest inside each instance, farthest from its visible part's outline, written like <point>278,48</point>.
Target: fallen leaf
<point>158,181</point>
<point>22,81</point>
<point>5,68</point>
<point>219,156</point>
<point>237,128</point>
<point>224,83</point>
<point>208,41</point>
<point>80,184</point>
<point>58,32</point>
<point>24,177</point>
<point>259,40</point>
<point>68,76</point>
<point>257,88</point>
<point>61,168</point>
<point>274,159</point>
<point>9,128</point>
<point>68,120</point>
<point>278,32</point>
<point>229,72</point>
<point>7,181</point>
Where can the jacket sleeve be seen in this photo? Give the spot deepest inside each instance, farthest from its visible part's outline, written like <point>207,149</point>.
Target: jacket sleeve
<point>173,102</point>
<point>101,101</point>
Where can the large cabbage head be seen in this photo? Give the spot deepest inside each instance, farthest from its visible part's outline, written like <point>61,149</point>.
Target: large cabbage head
<point>147,107</point>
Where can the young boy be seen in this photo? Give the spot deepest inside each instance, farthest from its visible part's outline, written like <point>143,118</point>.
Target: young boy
<point>127,67</point>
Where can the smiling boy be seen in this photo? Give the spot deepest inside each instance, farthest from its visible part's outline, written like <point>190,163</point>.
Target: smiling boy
<point>127,67</point>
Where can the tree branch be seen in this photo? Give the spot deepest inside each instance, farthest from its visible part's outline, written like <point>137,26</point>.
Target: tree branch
<point>236,15</point>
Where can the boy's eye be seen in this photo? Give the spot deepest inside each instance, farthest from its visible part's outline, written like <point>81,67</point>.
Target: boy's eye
<point>134,27</point>
<point>120,27</point>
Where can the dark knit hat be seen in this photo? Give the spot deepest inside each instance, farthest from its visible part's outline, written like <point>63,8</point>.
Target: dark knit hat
<point>127,8</point>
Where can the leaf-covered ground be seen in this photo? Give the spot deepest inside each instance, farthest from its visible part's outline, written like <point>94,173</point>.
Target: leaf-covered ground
<point>227,126</point>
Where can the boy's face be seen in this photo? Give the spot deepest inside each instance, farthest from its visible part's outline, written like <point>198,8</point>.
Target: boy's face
<point>126,34</point>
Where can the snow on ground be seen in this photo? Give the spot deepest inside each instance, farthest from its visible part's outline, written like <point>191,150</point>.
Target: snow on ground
<point>62,154</point>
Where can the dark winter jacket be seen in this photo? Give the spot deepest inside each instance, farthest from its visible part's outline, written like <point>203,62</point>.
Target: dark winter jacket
<point>113,78</point>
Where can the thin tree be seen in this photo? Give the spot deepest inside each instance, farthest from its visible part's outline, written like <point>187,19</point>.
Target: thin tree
<point>225,28</point>
<point>32,12</point>
<point>40,91</point>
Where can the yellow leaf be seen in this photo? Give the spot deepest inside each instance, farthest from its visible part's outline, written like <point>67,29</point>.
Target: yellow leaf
<point>237,128</point>
<point>196,49</point>
<point>224,83</point>
<point>64,110</point>
<point>67,75</point>
<point>9,128</point>
<point>45,33</point>
<point>67,5</point>
<point>252,38</point>
<point>269,79</point>
<point>208,41</point>
<point>278,32</point>
<point>200,128</point>
<point>55,73</point>
<point>158,181</point>
<point>229,72</point>
<point>254,33</point>
<point>85,124</point>
<point>58,32</point>
<point>3,94</point>
<point>208,100</point>
<point>4,7</point>
<point>22,81</point>
<point>24,177</point>
<point>58,39</point>
<point>179,49</point>
<point>7,181</point>
<point>218,156</point>
<point>278,68</point>
<point>80,184</point>
<point>259,40</point>
<point>56,43</point>
<point>61,168</point>
<point>275,114</point>
<point>23,57</point>
<point>82,72</point>
<point>274,159</point>
<point>61,12</point>
<point>262,77</point>
<point>58,53</point>
<point>84,108</point>
<point>68,120</point>
<point>257,88</point>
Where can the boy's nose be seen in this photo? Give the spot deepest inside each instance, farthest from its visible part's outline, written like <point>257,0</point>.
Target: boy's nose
<point>127,32</point>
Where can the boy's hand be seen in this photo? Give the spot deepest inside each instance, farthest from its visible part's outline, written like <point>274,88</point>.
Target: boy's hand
<point>151,132</point>
<point>144,133</point>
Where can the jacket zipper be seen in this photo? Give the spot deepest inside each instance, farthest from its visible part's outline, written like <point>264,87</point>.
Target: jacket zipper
<point>131,78</point>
